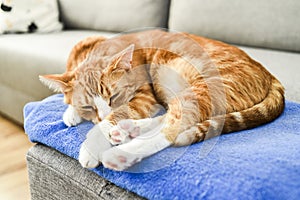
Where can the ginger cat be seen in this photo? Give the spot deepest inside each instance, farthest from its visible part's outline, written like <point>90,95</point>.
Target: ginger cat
<point>207,87</point>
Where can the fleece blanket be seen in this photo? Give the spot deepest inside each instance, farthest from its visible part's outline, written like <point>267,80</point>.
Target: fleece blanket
<point>261,163</point>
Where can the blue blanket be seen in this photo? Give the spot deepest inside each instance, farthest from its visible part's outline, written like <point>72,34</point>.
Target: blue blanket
<point>261,163</point>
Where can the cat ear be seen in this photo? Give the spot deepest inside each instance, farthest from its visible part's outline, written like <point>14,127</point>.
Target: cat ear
<point>57,82</point>
<point>123,60</point>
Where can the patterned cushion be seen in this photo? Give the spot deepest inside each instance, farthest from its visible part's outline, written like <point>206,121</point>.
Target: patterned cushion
<point>29,16</point>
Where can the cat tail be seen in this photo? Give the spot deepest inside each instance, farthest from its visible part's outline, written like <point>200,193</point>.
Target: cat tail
<point>265,111</point>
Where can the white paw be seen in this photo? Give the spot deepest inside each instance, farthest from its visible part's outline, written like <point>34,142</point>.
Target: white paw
<point>87,158</point>
<point>71,117</point>
<point>90,154</point>
<point>119,160</point>
<point>123,132</point>
<point>126,155</point>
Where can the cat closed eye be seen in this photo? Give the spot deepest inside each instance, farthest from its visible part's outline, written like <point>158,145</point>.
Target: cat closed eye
<point>113,98</point>
<point>87,107</point>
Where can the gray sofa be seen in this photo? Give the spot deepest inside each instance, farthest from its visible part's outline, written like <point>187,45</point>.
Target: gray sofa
<point>266,30</point>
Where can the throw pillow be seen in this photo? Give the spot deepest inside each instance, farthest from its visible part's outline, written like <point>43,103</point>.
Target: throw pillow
<point>27,16</point>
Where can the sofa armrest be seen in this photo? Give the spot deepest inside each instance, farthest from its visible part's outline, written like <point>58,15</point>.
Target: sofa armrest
<point>53,175</point>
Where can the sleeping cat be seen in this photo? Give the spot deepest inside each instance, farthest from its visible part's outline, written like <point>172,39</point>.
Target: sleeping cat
<point>207,87</point>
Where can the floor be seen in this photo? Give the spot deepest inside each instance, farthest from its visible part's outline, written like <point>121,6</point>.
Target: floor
<point>13,172</point>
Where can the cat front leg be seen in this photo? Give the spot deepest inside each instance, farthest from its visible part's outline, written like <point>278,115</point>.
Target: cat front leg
<point>126,155</point>
<point>71,117</point>
<point>99,139</point>
<point>96,142</point>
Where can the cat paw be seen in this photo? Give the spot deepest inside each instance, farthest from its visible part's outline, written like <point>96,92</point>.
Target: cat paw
<point>71,117</point>
<point>90,154</point>
<point>119,160</point>
<point>86,158</point>
<point>123,132</point>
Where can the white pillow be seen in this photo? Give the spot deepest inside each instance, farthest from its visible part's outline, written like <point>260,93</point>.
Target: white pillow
<point>29,16</point>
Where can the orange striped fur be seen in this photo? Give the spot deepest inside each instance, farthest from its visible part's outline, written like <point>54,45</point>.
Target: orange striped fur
<point>196,111</point>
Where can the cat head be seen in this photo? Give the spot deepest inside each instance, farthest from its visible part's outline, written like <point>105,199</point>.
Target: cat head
<point>93,88</point>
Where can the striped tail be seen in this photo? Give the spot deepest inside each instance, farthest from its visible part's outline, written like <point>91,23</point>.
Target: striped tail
<point>266,111</point>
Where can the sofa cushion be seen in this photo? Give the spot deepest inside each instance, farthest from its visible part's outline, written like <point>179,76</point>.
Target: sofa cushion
<point>270,23</point>
<point>114,15</point>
